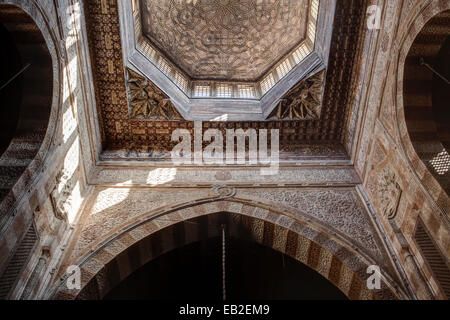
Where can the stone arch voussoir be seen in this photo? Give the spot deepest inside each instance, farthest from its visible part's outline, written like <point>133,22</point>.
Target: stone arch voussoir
<point>105,267</point>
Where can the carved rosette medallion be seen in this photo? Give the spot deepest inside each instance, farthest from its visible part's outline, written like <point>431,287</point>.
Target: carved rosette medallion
<point>223,191</point>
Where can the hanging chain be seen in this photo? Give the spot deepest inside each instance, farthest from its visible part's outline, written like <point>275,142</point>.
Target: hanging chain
<point>224,289</point>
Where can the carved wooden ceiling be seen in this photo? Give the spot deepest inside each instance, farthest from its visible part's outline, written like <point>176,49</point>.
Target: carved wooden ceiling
<point>302,131</point>
<point>225,39</point>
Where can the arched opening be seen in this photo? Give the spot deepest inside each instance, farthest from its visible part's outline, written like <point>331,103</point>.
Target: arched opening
<point>426,97</point>
<point>26,94</point>
<point>441,92</point>
<point>252,271</point>
<point>337,271</point>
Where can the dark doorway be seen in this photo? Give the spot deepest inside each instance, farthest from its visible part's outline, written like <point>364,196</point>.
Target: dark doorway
<point>253,271</point>
<point>11,94</point>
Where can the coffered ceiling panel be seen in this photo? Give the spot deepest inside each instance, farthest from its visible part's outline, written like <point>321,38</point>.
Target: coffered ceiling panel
<point>225,39</point>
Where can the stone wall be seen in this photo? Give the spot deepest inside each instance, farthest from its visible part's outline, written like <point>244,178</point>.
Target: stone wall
<point>397,182</point>
<point>49,197</point>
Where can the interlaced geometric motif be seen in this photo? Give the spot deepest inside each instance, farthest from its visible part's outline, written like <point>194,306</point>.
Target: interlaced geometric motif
<point>225,39</point>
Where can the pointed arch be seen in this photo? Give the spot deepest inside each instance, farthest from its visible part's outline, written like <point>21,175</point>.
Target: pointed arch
<point>116,258</point>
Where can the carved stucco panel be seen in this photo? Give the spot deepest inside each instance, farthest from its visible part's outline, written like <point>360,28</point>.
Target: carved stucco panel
<point>113,208</point>
<point>379,73</point>
<point>337,208</point>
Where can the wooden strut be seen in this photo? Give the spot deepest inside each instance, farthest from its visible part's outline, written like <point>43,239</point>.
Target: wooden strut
<point>424,64</point>
<point>15,76</point>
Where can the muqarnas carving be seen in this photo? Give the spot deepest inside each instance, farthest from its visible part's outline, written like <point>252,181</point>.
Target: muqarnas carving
<point>148,102</point>
<point>303,102</point>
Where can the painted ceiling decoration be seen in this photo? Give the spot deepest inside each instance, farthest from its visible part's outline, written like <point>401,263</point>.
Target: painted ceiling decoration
<point>299,139</point>
<point>147,101</point>
<point>225,39</point>
<point>206,54</point>
<point>303,102</point>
